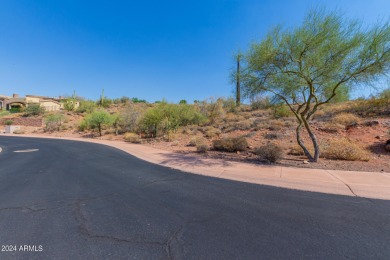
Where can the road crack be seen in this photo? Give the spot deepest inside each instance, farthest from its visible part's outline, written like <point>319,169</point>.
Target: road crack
<point>86,231</point>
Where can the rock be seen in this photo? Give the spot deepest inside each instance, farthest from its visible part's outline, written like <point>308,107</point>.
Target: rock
<point>371,123</point>
<point>305,162</point>
<point>377,137</point>
<point>387,147</point>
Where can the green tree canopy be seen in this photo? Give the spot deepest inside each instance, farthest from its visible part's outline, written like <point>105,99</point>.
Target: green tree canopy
<point>307,66</point>
<point>99,119</point>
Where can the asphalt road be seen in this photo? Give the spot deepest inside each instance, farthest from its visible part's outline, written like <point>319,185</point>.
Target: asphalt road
<point>74,200</point>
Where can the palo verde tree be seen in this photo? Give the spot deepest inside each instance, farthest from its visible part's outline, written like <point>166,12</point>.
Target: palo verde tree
<point>306,66</point>
<point>99,119</point>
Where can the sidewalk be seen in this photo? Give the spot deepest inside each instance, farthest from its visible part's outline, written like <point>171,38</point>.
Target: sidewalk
<point>351,183</point>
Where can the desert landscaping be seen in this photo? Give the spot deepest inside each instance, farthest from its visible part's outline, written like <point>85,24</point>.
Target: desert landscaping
<point>352,134</point>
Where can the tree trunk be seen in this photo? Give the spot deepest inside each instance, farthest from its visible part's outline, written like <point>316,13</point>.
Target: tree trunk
<point>314,141</point>
<point>312,158</point>
<point>100,130</point>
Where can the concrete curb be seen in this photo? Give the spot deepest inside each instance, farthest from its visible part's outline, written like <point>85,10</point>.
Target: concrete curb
<point>359,184</point>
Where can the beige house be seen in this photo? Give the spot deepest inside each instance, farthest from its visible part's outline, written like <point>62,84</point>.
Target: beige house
<point>17,103</point>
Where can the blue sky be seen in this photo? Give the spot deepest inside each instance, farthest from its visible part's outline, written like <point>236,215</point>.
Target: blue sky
<point>146,49</point>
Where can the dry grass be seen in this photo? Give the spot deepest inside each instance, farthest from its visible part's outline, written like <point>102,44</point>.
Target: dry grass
<point>132,138</point>
<point>196,141</point>
<point>270,152</point>
<point>331,127</point>
<point>343,149</point>
<point>230,144</point>
<point>202,148</point>
<point>346,119</point>
<point>212,132</point>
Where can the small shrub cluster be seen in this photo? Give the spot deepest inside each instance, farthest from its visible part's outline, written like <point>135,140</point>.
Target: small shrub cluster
<point>132,138</point>
<point>346,119</point>
<point>281,111</point>
<point>202,148</point>
<point>212,132</point>
<point>230,144</point>
<point>196,141</point>
<point>343,149</point>
<point>54,122</point>
<point>86,106</point>
<point>8,122</point>
<point>165,117</point>
<point>34,110</point>
<point>270,152</point>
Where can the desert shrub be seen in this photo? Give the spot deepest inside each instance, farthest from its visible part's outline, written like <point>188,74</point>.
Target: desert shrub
<point>212,109</point>
<point>244,125</point>
<point>104,102</point>
<point>230,144</point>
<point>4,113</point>
<point>281,111</point>
<point>98,119</point>
<point>346,119</point>
<point>385,94</point>
<point>212,132</point>
<point>195,141</point>
<point>229,104</point>
<point>82,126</point>
<point>129,118</point>
<point>343,149</point>
<point>8,122</point>
<point>275,125</point>
<point>165,117</point>
<point>270,152</point>
<point>232,117</point>
<point>202,148</point>
<point>132,138</point>
<point>54,122</point>
<point>34,110</point>
<point>86,106</point>
<point>260,103</point>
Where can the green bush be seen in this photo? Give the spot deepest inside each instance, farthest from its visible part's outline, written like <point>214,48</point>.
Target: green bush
<point>164,118</point>
<point>98,119</point>
<point>34,110</point>
<point>4,113</point>
<point>270,152</point>
<point>86,106</point>
<point>230,144</point>
<point>15,110</point>
<point>281,111</point>
<point>8,122</point>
